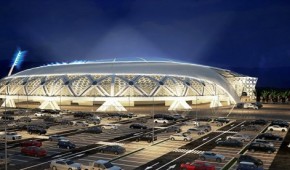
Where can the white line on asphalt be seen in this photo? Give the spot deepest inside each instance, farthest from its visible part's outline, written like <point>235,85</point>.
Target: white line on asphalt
<point>198,146</point>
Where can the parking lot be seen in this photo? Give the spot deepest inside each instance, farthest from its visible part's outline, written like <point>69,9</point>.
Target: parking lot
<point>163,153</point>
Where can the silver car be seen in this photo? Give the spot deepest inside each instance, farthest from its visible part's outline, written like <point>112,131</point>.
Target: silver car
<point>240,137</point>
<point>180,136</point>
<point>64,164</point>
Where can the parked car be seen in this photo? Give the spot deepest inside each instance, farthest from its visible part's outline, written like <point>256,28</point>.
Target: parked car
<point>196,130</point>
<point>259,122</point>
<point>261,147</point>
<point>250,106</point>
<point>101,165</point>
<point>205,128</point>
<point>79,123</point>
<point>240,137</point>
<point>39,114</point>
<point>248,166</point>
<point>249,158</point>
<point>83,114</point>
<point>56,138</point>
<point>277,128</point>
<point>178,116</point>
<point>180,136</point>
<point>281,123</point>
<point>145,137</point>
<point>24,119</point>
<point>264,142</point>
<point>125,115</point>
<point>250,128</point>
<point>115,149</point>
<point>175,129</point>
<point>7,117</point>
<point>137,126</point>
<point>94,120</point>
<point>61,164</point>
<point>211,156</point>
<point>193,122</point>
<point>10,136</point>
<point>259,104</point>
<point>94,130</point>
<point>109,126</point>
<point>115,118</point>
<point>230,143</point>
<point>203,119</point>
<point>197,165</point>
<point>34,151</point>
<point>222,120</point>
<point>269,136</point>
<point>66,144</point>
<point>50,119</point>
<point>160,120</point>
<point>36,130</point>
<point>31,143</point>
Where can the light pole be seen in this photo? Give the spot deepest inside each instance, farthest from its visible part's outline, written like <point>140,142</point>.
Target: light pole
<point>153,112</point>
<point>5,111</point>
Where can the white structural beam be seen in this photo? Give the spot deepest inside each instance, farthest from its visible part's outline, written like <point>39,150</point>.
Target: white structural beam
<point>111,105</point>
<point>179,105</point>
<point>49,105</point>
<point>9,103</point>
<point>215,102</point>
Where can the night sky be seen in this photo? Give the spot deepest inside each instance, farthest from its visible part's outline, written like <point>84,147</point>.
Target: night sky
<point>247,36</point>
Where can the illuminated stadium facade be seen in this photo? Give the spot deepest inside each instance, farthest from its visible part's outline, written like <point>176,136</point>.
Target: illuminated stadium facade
<point>116,84</point>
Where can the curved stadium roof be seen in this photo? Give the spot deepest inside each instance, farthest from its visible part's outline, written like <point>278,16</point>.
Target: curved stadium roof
<point>141,66</point>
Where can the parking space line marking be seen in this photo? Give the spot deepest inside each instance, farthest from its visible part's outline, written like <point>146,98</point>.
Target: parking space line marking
<point>199,146</point>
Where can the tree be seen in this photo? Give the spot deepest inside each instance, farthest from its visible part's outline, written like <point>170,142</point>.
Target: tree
<point>264,95</point>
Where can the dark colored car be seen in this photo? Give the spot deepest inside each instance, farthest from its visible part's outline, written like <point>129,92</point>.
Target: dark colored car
<point>7,117</point>
<point>50,119</point>
<point>259,122</point>
<point>259,104</point>
<point>248,166</point>
<point>94,130</point>
<point>115,149</point>
<point>24,119</point>
<point>240,105</point>
<point>66,144</point>
<point>9,112</point>
<point>83,114</point>
<point>31,143</point>
<point>261,147</point>
<point>222,120</point>
<point>137,126</point>
<point>196,131</point>
<point>230,143</point>
<point>175,129</point>
<point>203,119</point>
<point>36,130</point>
<point>164,116</point>
<point>33,151</point>
<point>281,123</point>
<point>269,136</point>
<point>248,158</point>
<point>145,137</point>
<point>249,128</point>
<point>123,115</point>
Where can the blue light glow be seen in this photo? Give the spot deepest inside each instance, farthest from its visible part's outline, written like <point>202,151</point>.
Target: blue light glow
<point>18,58</point>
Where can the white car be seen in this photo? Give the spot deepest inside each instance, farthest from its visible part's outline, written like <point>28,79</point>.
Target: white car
<point>277,128</point>
<point>160,120</point>
<point>64,164</point>
<point>194,123</point>
<point>109,126</point>
<point>39,114</point>
<point>180,136</point>
<point>250,106</point>
<point>10,136</point>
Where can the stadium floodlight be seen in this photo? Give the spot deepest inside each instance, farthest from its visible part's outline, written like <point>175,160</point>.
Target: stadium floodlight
<point>18,59</point>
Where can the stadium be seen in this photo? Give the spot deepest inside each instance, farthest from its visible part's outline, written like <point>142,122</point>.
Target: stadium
<point>116,84</point>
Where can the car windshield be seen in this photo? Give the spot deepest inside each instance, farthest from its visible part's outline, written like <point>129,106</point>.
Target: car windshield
<point>108,165</point>
<point>69,162</point>
<point>12,133</point>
